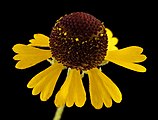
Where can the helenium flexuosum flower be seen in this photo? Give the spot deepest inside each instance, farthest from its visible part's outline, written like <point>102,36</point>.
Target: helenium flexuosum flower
<point>82,44</point>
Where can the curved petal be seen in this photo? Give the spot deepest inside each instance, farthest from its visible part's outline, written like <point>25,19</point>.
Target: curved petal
<point>39,40</point>
<point>72,91</point>
<point>29,56</point>
<point>128,57</point>
<point>45,81</point>
<point>102,89</point>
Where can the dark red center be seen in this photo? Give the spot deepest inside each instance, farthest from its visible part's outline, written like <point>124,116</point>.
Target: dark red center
<point>79,41</point>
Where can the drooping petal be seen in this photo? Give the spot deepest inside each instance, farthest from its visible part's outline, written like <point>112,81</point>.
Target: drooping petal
<point>102,89</point>
<point>72,91</point>
<point>128,57</point>
<point>45,81</point>
<point>48,90</point>
<point>29,56</point>
<point>60,98</point>
<point>94,90</point>
<point>39,40</point>
<point>33,82</point>
<point>112,89</point>
<point>79,95</point>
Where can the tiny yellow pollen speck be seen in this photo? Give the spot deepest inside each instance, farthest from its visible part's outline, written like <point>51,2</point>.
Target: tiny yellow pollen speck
<point>65,33</point>
<point>77,39</point>
<point>101,34</point>
<point>59,29</point>
<point>96,38</point>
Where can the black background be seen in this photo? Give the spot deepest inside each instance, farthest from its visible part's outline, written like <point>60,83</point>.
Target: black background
<point>134,23</point>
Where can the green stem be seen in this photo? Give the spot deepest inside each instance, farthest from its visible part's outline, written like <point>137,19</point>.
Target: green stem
<point>58,113</point>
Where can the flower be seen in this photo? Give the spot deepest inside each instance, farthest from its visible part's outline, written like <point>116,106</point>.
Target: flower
<point>80,43</point>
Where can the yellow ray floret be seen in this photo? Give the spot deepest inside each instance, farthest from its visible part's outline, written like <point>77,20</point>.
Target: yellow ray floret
<point>45,81</point>
<point>39,40</point>
<point>109,33</point>
<point>112,41</point>
<point>128,57</point>
<point>28,56</point>
<point>72,91</point>
<point>102,89</point>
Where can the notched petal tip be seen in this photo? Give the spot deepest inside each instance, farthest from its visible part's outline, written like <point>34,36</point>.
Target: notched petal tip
<point>128,57</point>
<point>102,89</point>
<point>43,98</point>
<point>97,106</point>
<point>45,81</point>
<point>39,40</point>
<point>29,85</point>
<point>118,98</point>
<point>79,104</point>
<point>16,57</point>
<point>143,69</point>
<point>39,35</point>
<point>72,91</point>
<point>59,99</point>
<point>17,47</point>
<point>20,66</point>
<point>108,106</point>
<point>29,56</point>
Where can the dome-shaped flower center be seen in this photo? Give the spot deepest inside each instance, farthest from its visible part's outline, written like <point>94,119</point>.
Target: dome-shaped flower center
<point>79,41</point>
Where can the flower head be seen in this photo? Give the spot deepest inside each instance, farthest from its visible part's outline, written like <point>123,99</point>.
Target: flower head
<point>81,43</point>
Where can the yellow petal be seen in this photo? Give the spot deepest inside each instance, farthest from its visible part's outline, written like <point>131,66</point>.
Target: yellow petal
<point>76,90</point>
<point>106,98</point>
<point>94,90</point>
<point>72,91</point>
<point>29,56</point>
<point>70,98</point>
<point>127,57</point>
<point>40,40</point>
<point>41,84</point>
<point>130,54</point>
<point>81,94</point>
<point>60,97</point>
<point>111,44</point>
<point>49,88</point>
<point>109,33</point>
<point>112,89</point>
<point>33,82</point>
<point>45,81</point>
<point>112,41</point>
<point>103,86</point>
<point>129,65</point>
